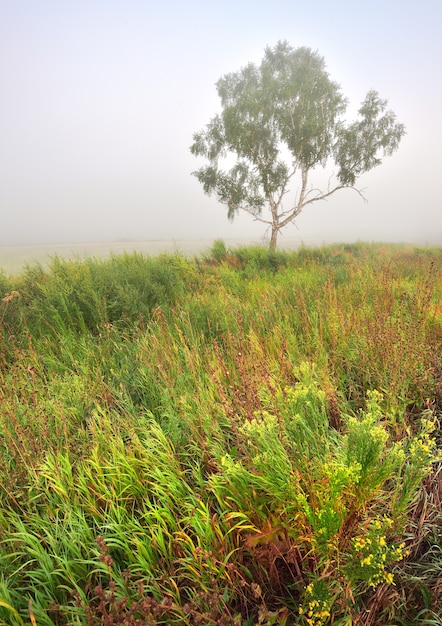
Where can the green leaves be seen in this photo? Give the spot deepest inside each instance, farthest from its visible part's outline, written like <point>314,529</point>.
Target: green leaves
<point>360,145</point>
<point>307,103</point>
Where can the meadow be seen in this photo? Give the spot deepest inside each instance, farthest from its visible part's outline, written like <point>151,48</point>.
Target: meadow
<point>244,437</point>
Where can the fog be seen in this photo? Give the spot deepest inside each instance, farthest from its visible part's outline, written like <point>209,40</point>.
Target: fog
<point>100,99</point>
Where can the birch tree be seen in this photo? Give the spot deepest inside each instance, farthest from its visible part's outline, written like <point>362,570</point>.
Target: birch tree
<point>279,122</point>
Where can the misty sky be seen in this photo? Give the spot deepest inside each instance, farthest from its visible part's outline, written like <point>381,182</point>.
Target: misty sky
<point>100,99</point>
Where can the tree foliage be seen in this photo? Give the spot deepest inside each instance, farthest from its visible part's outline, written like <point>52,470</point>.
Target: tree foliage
<point>279,121</point>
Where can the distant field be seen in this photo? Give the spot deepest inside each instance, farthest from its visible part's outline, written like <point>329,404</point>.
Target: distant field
<point>14,258</point>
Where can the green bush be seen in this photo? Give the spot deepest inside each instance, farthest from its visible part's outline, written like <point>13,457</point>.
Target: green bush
<point>218,251</point>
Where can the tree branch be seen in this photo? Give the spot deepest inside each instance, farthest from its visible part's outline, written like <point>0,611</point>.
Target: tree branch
<point>323,196</point>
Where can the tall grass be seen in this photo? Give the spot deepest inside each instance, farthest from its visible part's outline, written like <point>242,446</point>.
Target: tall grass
<point>245,438</point>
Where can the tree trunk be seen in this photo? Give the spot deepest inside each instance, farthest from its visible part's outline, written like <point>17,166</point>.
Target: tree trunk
<point>274,237</point>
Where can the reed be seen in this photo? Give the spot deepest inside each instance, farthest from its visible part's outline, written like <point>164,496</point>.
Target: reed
<point>244,438</point>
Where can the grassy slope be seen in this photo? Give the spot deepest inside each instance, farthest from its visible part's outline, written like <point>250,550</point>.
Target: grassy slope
<point>247,438</point>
